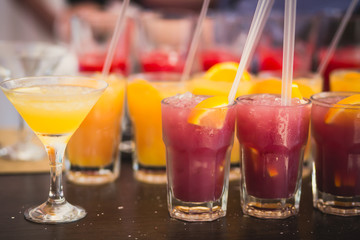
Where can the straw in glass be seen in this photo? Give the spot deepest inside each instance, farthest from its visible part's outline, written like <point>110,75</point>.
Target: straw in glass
<point>262,11</point>
<point>336,39</point>
<point>195,41</point>
<point>115,39</point>
<point>288,51</point>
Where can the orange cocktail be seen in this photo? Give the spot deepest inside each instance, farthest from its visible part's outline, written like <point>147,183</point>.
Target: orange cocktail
<point>345,80</point>
<point>93,151</point>
<point>144,95</point>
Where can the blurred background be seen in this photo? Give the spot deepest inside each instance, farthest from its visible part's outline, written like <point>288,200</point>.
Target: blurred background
<point>66,23</point>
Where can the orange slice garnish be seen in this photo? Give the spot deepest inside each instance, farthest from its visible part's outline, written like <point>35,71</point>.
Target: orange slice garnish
<point>209,112</point>
<point>305,90</point>
<point>273,86</point>
<point>334,112</point>
<point>295,91</point>
<point>226,72</point>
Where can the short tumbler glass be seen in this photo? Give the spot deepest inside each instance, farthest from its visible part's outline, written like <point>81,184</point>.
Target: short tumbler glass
<point>336,171</point>
<point>272,139</point>
<point>197,158</point>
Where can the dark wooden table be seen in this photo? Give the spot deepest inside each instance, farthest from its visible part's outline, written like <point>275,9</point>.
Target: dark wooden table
<point>127,209</point>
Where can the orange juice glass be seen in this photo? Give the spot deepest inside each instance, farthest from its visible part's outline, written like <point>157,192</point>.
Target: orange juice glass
<point>93,151</point>
<point>144,94</point>
<point>345,80</point>
<point>270,82</point>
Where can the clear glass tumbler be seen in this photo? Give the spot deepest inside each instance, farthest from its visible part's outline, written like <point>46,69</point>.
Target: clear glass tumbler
<point>197,157</point>
<point>272,139</point>
<point>336,169</point>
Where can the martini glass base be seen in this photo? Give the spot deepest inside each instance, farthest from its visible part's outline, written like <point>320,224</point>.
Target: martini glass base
<point>54,213</point>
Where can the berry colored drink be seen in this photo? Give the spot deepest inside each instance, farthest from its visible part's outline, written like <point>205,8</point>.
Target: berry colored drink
<point>162,61</point>
<point>198,157</point>
<point>94,62</point>
<point>343,58</point>
<point>272,139</point>
<point>335,128</point>
<point>271,59</point>
<point>211,57</point>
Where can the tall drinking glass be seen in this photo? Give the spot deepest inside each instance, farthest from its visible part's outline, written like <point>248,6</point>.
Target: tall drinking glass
<point>222,38</point>
<point>197,157</point>
<point>336,172</point>
<point>54,107</point>
<point>91,41</point>
<point>270,50</point>
<point>163,39</point>
<point>144,95</point>
<point>347,53</point>
<point>345,80</point>
<point>92,154</point>
<point>28,59</point>
<point>272,139</point>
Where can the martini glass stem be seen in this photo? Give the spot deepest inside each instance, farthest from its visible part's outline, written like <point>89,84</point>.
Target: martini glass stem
<point>56,154</point>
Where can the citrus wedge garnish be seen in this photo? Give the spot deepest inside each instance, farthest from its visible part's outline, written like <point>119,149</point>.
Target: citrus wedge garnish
<point>334,112</point>
<point>226,72</point>
<point>209,112</point>
<point>295,91</point>
<point>305,90</point>
<point>273,86</point>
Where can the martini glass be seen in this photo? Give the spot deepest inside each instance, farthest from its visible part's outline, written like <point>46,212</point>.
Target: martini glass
<point>54,107</point>
<point>28,59</point>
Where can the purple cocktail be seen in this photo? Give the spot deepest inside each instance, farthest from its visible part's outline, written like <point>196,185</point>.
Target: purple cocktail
<point>197,159</point>
<point>272,139</point>
<point>336,133</point>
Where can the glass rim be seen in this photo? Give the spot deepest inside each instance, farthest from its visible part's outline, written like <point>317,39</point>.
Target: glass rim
<point>180,14</point>
<point>100,85</point>
<point>164,102</point>
<point>278,75</point>
<point>4,73</point>
<point>156,76</point>
<point>318,99</point>
<point>300,105</point>
<point>344,70</point>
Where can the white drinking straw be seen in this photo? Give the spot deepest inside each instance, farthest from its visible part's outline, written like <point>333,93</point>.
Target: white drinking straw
<point>338,34</point>
<point>115,39</point>
<point>261,14</point>
<point>195,41</point>
<point>288,51</point>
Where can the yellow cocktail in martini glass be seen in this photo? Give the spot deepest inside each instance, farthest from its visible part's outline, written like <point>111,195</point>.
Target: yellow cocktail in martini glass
<point>54,107</point>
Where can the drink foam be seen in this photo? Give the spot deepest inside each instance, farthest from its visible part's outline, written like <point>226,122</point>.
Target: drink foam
<point>268,100</point>
<point>186,100</point>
